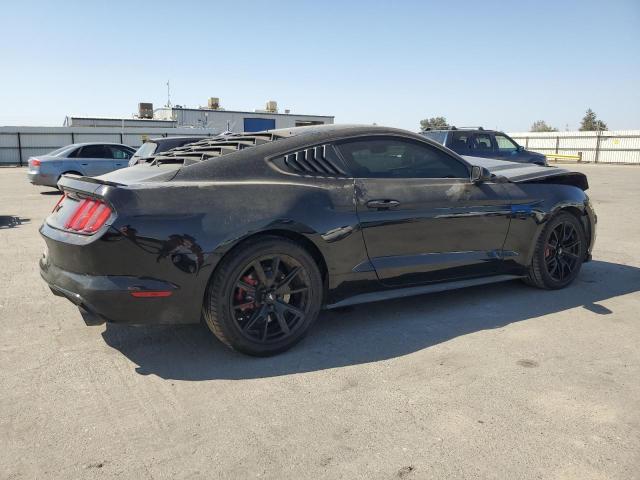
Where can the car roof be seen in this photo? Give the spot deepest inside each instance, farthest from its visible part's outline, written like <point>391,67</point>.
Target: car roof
<point>84,144</point>
<point>462,129</point>
<point>231,151</point>
<point>287,139</point>
<point>162,139</point>
<point>331,132</point>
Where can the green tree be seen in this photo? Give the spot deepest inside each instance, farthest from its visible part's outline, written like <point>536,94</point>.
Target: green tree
<point>434,122</point>
<point>541,126</point>
<point>590,122</point>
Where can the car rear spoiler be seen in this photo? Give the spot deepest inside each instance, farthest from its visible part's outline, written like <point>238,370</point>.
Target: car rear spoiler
<point>84,184</point>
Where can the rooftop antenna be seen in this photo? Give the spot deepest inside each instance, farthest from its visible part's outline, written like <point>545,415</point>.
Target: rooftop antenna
<point>168,105</point>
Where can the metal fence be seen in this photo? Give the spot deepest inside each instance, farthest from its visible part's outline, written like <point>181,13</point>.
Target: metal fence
<point>17,144</point>
<point>616,146</point>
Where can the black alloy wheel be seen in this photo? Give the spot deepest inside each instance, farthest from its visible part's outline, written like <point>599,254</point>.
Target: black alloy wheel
<point>264,296</point>
<point>559,253</point>
<point>270,298</point>
<point>562,251</point>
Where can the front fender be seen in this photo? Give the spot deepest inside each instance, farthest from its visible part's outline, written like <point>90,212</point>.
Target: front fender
<point>533,205</point>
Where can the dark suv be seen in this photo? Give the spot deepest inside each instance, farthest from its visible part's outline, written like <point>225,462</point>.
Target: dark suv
<point>478,142</point>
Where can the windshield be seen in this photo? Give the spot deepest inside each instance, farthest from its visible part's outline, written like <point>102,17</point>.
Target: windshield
<point>436,136</point>
<point>146,150</point>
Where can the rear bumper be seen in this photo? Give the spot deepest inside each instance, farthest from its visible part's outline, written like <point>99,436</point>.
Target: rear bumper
<point>37,178</point>
<point>109,298</point>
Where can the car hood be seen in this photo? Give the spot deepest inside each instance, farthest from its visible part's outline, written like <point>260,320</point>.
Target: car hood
<point>529,172</point>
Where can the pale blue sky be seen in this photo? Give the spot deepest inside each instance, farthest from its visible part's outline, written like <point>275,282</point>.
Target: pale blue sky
<point>491,63</point>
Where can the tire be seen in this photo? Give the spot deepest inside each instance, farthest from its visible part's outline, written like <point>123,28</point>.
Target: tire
<point>259,305</point>
<point>559,253</point>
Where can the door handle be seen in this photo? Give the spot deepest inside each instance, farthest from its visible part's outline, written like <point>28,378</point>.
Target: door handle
<point>383,204</point>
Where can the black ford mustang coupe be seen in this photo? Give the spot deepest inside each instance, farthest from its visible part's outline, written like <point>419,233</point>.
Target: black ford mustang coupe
<point>257,232</point>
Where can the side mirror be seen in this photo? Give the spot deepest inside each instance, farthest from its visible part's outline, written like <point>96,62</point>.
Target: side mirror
<point>479,174</point>
<point>520,148</point>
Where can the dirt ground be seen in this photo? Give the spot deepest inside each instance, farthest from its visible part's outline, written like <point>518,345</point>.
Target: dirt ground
<point>492,382</point>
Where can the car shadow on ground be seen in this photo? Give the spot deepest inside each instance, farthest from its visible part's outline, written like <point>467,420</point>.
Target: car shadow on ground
<point>11,221</point>
<point>369,333</point>
<point>51,192</point>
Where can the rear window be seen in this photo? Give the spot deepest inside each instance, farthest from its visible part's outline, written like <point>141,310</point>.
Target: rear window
<point>61,152</point>
<point>436,136</point>
<point>146,150</point>
<point>171,143</point>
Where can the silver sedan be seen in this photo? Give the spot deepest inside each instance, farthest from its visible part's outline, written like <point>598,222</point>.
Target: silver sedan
<point>86,159</point>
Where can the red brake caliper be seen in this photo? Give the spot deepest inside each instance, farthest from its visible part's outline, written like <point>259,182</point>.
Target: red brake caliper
<point>241,293</point>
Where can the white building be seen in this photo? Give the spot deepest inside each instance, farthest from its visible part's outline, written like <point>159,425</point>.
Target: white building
<point>221,120</point>
<point>80,121</point>
<point>213,118</point>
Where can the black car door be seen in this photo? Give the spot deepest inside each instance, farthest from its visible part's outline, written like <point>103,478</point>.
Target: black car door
<point>421,217</point>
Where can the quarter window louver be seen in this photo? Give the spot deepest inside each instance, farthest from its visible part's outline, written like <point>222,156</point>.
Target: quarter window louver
<point>312,161</point>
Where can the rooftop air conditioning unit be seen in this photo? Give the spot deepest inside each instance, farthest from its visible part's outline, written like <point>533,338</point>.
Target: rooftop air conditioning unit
<point>272,106</point>
<point>145,110</point>
<point>214,103</point>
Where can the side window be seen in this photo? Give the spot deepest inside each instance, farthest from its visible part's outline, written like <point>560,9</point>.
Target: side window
<point>482,142</point>
<point>120,153</point>
<point>393,158</point>
<point>505,144</point>
<point>460,142</point>
<point>94,151</point>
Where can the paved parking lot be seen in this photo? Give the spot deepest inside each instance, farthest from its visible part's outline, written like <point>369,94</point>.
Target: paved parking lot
<point>500,381</point>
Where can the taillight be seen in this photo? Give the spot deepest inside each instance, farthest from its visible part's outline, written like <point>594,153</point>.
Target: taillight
<point>90,215</point>
<point>34,162</point>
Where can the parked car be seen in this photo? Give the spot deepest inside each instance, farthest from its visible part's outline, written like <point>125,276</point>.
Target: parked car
<point>479,142</point>
<point>257,232</point>
<point>159,145</point>
<point>86,159</point>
